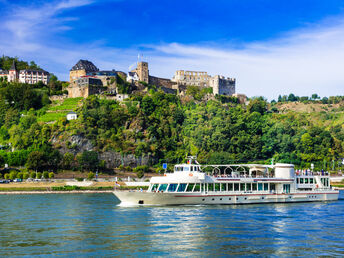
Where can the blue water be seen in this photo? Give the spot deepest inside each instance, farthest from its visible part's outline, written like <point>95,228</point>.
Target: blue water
<point>92,225</point>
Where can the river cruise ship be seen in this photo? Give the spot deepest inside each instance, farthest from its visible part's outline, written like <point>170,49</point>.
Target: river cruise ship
<point>195,184</point>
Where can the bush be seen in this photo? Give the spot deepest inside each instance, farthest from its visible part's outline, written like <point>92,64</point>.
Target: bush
<point>20,175</point>
<point>51,175</point>
<point>143,168</point>
<point>38,175</point>
<point>26,175</point>
<point>128,168</point>
<point>13,175</point>
<point>33,175</point>
<point>65,188</point>
<point>7,176</point>
<point>45,174</point>
<point>140,174</point>
<point>79,179</point>
<point>159,170</point>
<point>90,176</point>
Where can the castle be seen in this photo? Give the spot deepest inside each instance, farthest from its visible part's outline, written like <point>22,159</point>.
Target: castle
<point>219,84</point>
<point>86,79</point>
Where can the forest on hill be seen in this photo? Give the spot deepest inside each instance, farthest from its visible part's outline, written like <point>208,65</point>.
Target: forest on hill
<point>165,128</point>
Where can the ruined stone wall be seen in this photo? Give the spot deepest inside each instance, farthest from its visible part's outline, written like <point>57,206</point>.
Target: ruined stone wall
<point>73,75</point>
<point>75,91</point>
<point>222,85</point>
<point>161,82</point>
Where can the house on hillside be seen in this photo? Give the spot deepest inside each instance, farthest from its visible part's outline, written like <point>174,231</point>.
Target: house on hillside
<point>72,116</point>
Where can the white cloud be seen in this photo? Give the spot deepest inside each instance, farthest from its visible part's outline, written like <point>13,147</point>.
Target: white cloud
<point>303,62</point>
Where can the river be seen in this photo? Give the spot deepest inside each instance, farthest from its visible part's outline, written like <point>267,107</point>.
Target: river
<point>92,225</point>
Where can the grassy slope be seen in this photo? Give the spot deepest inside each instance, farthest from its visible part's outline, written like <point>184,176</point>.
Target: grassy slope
<point>59,109</point>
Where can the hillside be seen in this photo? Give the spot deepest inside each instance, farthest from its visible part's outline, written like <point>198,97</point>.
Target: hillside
<point>154,127</point>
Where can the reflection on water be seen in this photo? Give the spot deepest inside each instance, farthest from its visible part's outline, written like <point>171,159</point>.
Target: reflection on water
<point>93,225</point>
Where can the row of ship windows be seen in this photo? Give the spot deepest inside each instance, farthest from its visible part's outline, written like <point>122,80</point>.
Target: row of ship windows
<point>302,180</point>
<point>212,187</point>
<point>229,199</point>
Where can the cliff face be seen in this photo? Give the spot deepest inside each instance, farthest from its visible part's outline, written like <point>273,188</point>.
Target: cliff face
<point>76,144</point>
<point>115,159</point>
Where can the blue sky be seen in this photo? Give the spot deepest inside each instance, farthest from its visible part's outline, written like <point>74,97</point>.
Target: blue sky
<point>271,47</point>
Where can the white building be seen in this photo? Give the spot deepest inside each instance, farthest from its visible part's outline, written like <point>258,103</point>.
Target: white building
<point>132,76</point>
<point>72,116</point>
<point>34,76</point>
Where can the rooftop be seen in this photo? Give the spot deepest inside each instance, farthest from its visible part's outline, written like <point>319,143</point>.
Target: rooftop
<point>85,65</point>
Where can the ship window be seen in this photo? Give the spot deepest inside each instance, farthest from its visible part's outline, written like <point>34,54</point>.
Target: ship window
<point>242,187</point>
<point>248,187</point>
<point>155,187</point>
<point>306,180</point>
<point>236,187</point>
<point>190,187</point>
<point>301,180</point>
<point>181,188</point>
<point>223,187</point>
<point>210,187</point>
<point>197,188</point>
<point>217,187</point>
<point>266,186</point>
<point>186,168</point>
<point>163,187</point>
<point>260,187</point>
<point>311,181</point>
<point>191,168</point>
<point>230,187</point>
<point>254,187</point>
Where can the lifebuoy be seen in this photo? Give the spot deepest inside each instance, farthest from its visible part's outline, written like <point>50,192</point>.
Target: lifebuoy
<point>190,174</point>
<point>316,186</point>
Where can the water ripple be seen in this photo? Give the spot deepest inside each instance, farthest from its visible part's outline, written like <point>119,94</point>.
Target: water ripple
<point>88,225</point>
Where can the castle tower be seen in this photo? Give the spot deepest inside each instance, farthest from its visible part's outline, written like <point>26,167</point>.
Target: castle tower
<point>142,71</point>
<point>13,73</point>
<point>81,68</point>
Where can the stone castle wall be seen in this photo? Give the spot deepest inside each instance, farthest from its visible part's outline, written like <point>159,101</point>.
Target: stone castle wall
<point>73,75</point>
<point>222,85</point>
<point>161,82</point>
<point>75,91</point>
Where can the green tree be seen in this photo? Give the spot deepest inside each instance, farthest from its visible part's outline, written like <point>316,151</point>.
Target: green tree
<point>7,176</point>
<point>90,175</point>
<point>315,96</point>
<point>13,175</point>
<point>45,174</point>
<point>33,175</point>
<point>35,160</point>
<point>257,105</point>
<point>25,175</point>
<point>89,160</point>
<point>38,175</point>
<point>51,175</point>
<point>20,175</point>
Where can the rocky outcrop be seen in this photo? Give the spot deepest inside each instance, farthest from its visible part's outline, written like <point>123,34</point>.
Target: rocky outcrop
<point>115,159</point>
<point>77,144</point>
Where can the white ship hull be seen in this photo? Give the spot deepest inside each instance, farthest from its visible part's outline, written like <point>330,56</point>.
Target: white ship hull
<point>158,198</point>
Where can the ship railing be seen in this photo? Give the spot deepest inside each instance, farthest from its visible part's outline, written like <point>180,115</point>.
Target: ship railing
<point>244,176</point>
